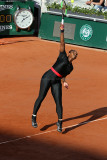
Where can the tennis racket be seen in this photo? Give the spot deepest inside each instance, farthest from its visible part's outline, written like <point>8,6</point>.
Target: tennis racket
<point>64,8</point>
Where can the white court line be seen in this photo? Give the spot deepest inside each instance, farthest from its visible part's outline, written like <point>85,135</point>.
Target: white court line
<point>37,134</point>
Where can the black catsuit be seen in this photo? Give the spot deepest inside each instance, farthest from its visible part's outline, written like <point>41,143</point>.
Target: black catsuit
<point>50,79</point>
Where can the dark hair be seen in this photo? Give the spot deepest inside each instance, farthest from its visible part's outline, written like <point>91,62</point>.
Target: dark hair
<point>72,51</point>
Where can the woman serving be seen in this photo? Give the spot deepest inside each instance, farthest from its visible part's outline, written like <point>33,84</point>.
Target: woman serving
<point>52,79</point>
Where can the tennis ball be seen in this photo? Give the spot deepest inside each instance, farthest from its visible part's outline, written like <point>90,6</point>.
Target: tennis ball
<point>72,1</point>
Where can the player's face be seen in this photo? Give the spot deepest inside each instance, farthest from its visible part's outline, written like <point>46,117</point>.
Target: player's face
<point>72,55</point>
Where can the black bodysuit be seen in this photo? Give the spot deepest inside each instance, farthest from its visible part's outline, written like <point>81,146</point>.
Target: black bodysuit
<point>50,79</point>
<point>62,65</point>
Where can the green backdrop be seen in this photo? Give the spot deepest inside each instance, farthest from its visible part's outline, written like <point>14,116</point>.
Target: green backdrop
<point>97,34</point>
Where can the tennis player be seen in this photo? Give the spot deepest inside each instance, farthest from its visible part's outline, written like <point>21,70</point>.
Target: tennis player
<point>52,79</point>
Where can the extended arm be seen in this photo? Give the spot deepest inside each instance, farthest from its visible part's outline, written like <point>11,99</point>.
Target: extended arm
<point>64,82</point>
<point>62,43</point>
<point>89,2</point>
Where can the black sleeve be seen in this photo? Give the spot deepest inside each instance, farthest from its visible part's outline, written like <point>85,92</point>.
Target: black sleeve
<point>71,67</point>
<point>62,53</point>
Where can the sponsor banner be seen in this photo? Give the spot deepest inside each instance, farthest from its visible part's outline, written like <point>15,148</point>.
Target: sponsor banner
<point>5,27</point>
<point>87,33</point>
<point>5,7</point>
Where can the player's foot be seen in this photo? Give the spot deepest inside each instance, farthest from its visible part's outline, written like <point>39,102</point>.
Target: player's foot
<point>34,123</point>
<point>59,126</point>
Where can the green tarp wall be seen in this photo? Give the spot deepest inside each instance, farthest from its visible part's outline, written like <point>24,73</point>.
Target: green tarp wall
<point>97,40</point>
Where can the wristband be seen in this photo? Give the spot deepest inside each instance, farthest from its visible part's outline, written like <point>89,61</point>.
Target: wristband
<point>62,31</point>
<point>62,27</point>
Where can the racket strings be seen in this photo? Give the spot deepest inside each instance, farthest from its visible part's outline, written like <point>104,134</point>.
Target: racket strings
<point>64,8</point>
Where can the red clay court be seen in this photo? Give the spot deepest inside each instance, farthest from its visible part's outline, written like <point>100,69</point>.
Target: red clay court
<point>84,135</point>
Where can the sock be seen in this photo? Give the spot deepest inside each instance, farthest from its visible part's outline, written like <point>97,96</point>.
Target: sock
<point>60,121</point>
<point>33,115</point>
<point>34,118</point>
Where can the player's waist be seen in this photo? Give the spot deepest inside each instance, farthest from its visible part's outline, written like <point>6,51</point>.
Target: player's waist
<point>54,71</point>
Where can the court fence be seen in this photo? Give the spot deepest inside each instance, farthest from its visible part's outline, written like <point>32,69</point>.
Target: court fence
<point>78,31</point>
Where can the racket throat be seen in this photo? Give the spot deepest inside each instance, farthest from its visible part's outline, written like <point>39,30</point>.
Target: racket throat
<point>62,22</point>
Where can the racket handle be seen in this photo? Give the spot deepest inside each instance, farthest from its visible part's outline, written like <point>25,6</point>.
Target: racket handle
<point>62,15</point>
<point>62,26</point>
<point>62,22</point>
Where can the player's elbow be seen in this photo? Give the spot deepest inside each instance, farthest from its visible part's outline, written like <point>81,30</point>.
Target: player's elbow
<point>62,43</point>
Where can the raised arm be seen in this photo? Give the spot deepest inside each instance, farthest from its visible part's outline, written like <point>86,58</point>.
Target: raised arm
<point>62,43</point>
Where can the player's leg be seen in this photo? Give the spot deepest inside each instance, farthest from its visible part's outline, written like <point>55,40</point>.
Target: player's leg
<point>44,87</point>
<point>56,89</point>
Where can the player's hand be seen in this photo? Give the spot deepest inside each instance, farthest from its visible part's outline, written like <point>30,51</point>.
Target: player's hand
<point>88,2</point>
<point>66,85</point>
<point>62,27</point>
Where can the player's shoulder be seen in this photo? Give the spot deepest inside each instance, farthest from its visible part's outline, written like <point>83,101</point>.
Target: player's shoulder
<point>63,53</point>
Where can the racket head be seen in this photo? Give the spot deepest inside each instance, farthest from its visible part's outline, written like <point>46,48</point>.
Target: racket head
<point>64,8</point>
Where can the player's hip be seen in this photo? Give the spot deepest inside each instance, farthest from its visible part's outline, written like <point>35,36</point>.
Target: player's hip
<point>51,76</point>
